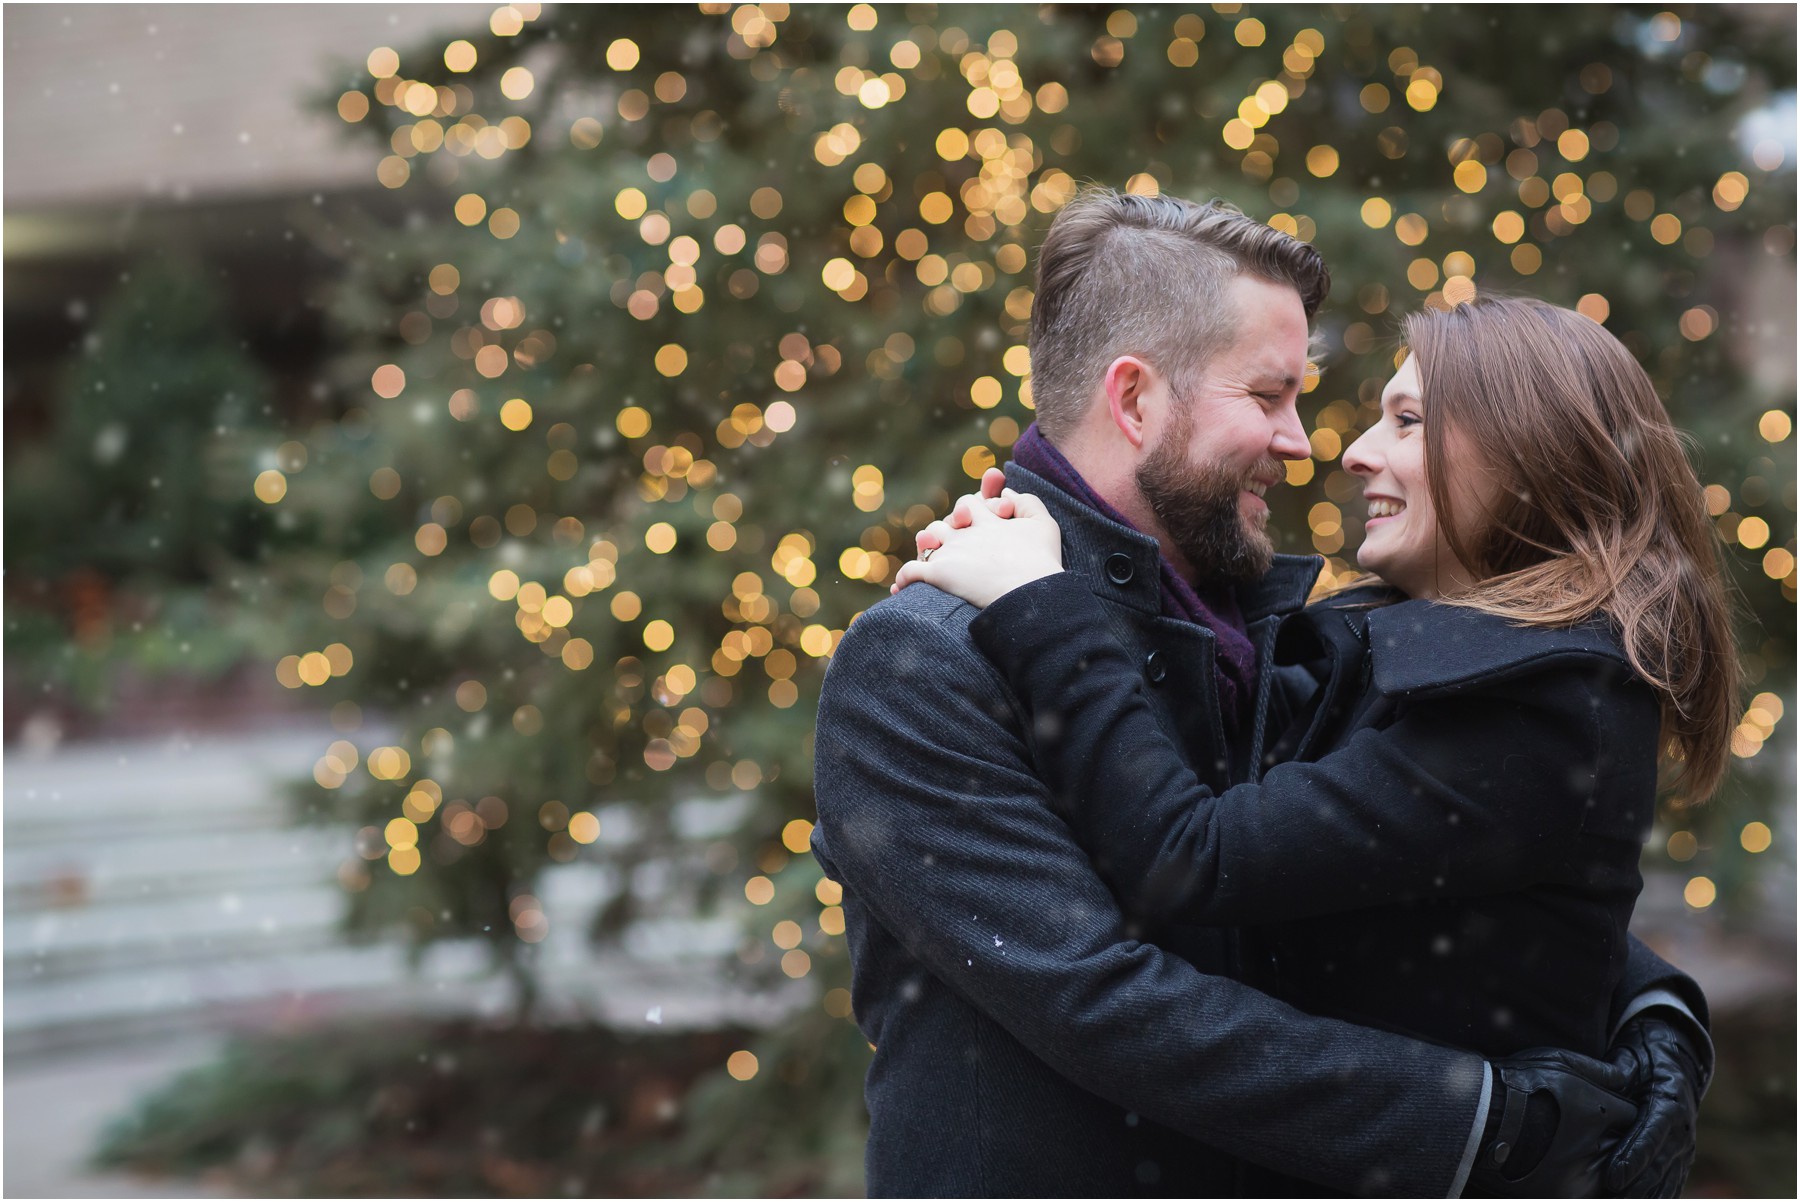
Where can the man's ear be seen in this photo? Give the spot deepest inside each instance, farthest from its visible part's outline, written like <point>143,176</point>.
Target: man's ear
<point>1127,383</point>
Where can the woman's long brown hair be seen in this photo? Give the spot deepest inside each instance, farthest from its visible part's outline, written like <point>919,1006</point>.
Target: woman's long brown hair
<point>1598,510</point>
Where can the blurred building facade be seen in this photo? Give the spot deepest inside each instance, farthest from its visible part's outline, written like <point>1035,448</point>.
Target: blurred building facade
<point>202,128</point>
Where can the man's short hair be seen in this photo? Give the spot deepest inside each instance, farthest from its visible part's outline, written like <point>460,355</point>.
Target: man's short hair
<point>1146,275</point>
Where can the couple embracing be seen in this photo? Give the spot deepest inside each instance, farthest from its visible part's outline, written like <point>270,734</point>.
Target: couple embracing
<point>1160,881</point>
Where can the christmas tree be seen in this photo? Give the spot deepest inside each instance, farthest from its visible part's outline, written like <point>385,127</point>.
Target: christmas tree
<point>696,316</point>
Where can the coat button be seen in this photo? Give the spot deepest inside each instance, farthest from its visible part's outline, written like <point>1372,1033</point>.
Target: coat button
<point>1118,568</point>
<point>1155,668</point>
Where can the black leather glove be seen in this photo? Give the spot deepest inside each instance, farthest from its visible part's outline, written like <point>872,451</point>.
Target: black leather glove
<point>1554,1119</point>
<point>1654,1159</point>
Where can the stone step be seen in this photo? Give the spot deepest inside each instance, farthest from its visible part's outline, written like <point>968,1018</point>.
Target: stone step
<point>664,972</point>
<point>192,918</point>
<point>122,792</point>
<point>60,876</point>
<point>160,886</point>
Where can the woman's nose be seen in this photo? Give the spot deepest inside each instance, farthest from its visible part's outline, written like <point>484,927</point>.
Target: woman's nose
<point>1361,459</point>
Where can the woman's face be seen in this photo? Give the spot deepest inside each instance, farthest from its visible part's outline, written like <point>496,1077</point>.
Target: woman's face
<point>1403,542</point>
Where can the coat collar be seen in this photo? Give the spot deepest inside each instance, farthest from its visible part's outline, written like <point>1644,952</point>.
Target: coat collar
<point>1090,540</point>
<point>1422,648</point>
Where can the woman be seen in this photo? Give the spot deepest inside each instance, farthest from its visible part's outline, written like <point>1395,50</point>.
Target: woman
<point>1453,852</point>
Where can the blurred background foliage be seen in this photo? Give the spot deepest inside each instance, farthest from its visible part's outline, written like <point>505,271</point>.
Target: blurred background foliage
<point>685,321</point>
<point>131,513</point>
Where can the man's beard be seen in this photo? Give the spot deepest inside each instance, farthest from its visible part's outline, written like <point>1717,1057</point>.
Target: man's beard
<point>1197,505</point>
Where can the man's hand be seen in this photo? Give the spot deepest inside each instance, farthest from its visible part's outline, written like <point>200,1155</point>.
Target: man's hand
<point>1553,1121</point>
<point>1669,1076</point>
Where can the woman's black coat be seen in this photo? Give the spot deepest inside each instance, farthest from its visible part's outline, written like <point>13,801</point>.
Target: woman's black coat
<point>1451,850</point>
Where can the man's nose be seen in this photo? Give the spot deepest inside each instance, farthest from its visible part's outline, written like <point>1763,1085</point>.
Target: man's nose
<point>1289,440</point>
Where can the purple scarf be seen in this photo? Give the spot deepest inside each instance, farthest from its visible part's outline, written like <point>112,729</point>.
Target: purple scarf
<point>1234,667</point>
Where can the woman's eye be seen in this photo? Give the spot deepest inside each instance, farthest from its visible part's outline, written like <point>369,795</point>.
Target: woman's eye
<point>1409,419</point>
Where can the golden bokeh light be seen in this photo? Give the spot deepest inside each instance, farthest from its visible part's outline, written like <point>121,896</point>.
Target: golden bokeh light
<point>1698,323</point>
<point>270,486</point>
<point>470,209</point>
<point>671,360</point>
<point>315,669</point>
<point>388,381</point>
<point>401,832</point>
<point>515,414</point>
<point>517,83</point>
<point>622,54</point>
<point>506,21</point>
<point>633,421</point>
<point>796,836</point>
<point>431,539</point>
<point>1469,176</point>
<point>557,611</point>
<point>459,56</point>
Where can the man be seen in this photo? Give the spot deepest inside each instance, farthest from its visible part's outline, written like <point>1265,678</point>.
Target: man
<point>1030,1040</point>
